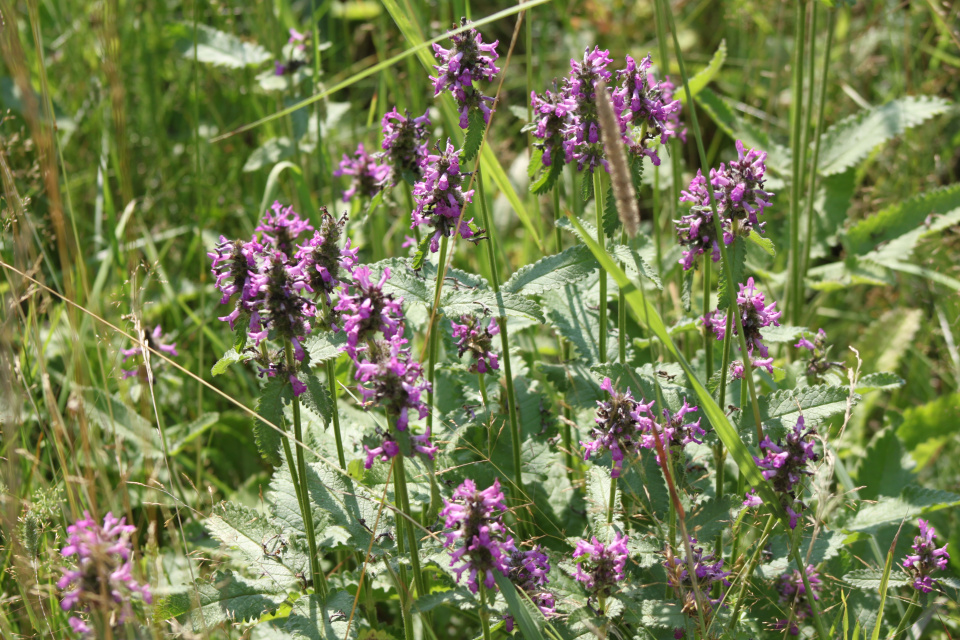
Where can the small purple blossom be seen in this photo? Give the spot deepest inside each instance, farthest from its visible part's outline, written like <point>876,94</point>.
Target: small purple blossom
<point>552,112</point>
<point>582,132</point>
<point>469,59</point>
<point>404,144</point>
<point>528,571</point>
<point>794,593</point>
<point>709,570</point>
<point>754,315</point>
<point>818,364</point>
<point>281,227</point>
<point>440,197</point>
<point>925,558</point>
<point>676,433</point>
<point>233,263</point>
<point>102,579</point>
<point>619,423</point>
<point>297,38</point>
<point>601,566</point>
<point>784,464</point>
<point>736,370</point>
<point>478,341</point>
<point>153,340</point>
<point>367,175</point>
<point>391,379</point>
<point>322,260</point>
<point>639,101</point>
<point>476,520</point>
<point>366,310</point>
<point>752,500</point>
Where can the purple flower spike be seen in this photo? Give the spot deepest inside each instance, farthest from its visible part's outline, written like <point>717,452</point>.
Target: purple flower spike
<point>582,132</point>
<point>233,263</point>
<point>469,59</point>
<point>103,566</point>
<point>818,363</point>
<point>404,144</point>
<point>676,433</point>
<point>925,558</point>
<point>528,571</point>
<point>366,310</point>
<point>368,176</point>
<point>754,315</point>
<point>785,463</point>
<point>323,262</point>
<point>476,518</point>
<point>281,226</point>
<point>709,570</point>
<point>552,112</point>
<point>602,565</point>
<point>640,102</point>
<point>794,593</point>
<point>619,423</point>
<point>478,342</point>
<point>440,197</point>
<point>391,379</point>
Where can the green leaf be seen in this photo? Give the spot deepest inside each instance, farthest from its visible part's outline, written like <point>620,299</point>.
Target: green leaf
<point>932,420</point>
<point>884,584</point>
<point>686,291</point>
<point>230,357</point>
<point>780,410</point>
<point>599,485</point>
<point>521,611</point>
<point>324,346</point>
<point>269,153</point>
<point>852,139</point>
<point>781,334</point>
<point>883,380</point>
<point>737,254</point>
<point>871,579</point>
<point>311,618</point>
<point>900,218</point>
<point>217,48</point>
<point>273,395</point>
<point>655,613</point>
<point>634,264</point>
<point>423,250</point>
<point>575,317</point>
<point>586,187</point>
<point>475,132</point>
<point>763,242</point>
<point>547,178</point>
<point>549,273</point>
<point>912,502</point>
<point>317,398</point>
<point>885,469</point>
<point>243,532</point>
<point>502,304</point>
<point>706,75</point>
<point>611,218</point>
<point>226,597</point>
<point>710,518</point>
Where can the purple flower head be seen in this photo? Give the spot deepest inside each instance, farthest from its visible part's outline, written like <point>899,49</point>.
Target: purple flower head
<point>740,199</point>
<point>153,340</point>
<point>736,370</point>
<point>233,263</point>
<point>102,578</point>
<point>582,132</point>
<point>279,304</point>
<point>925,558</point>
<point>528,571</point>
<point>467,60</point>
<point>476,520</point>
<point>404,144</point>
<point>392,380</point>
<point>365,310</point>
<point>440,197</point>
<point>552,113</point>
<point>297,38</point>
<point>639,102</point>
<point>368,176</point>
<point>794,593</point>
<point>754,315</point>
<point>478,341</point>
<point>709,570</point>
<point>282,228</point>
<point>785,463</point>
<point>619,423</point>
<point>322,260</point>
<point>601,565</point>
<point>818,363</point>
<point>675,433</point>
<point>673,127</point>
<point>752,500</point>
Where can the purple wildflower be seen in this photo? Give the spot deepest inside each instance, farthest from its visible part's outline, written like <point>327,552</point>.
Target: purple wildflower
<point>618,425</point>
<point>476,518</point>
<point>391,379</point>
<point>102,579</point>
<point>469,59</point>
<point>528,571</point>
<point>368,176</point>
<point>709,570</point>
<point>676,434</point>
<point>740,199</point>
<point>736,369</point>
<point>280,227</point>
<point>552,112</point>
<point>153,340</point>
<point>605,564</point>
<point>673,127</point>
<point>785,463</point>
<point>366,310</point>
<point>752,500</point>
<point>794,592</point>
<point>280,305</point>
<point>582,132</point>
<point>233,262</point>
<point>925,558</point>
<point>404,144</point>
<point>297,38</point>
<point>440,197</point>
<point>639,102</point>
<point>323,261</point>
<point>754,315</point>
<point>818,364</point>
<point>478,341</point>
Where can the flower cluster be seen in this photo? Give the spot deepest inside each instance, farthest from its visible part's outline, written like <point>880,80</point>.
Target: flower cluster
<point>102,579</point>
<point>440,197</point>
<point>323,261</point>
<point>551,111</point>
<point>476,518</point>
<point>740,199</point>
<point>582,131</point>
<point>153,340</point>
<point>389,447</point>
<point>601,565</point>
<point>755,314</point>
<point>467,60</point>
<point>818,364</point>
<point>675,433</point>
<point>391,379</point>
<point>528,571</point>
<point>404,144</point>
<point>709,570</point>
<point>640,101</point>
<point>794,592</point>
<point>925,558</point>
<point>618,425</point>
<point>784,464</point>
<point>478,341</point>
<point>367,175</point>
<point>366,310</point>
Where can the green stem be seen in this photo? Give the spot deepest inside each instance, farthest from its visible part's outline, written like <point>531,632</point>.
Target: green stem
<point>622,314</point>
<point>518,492</point>
<point>745,577</point>
<point>484,614</point>
<point>408,197</point>
<point>708,337</point>
<point>725,365</point>
<point>556,216</point>
<point>794,297</point>
<point>403,583</point>
<point>612,506</point>
<point>598,201</point>
<point>905,618</point>
<point>814,606</point>
<point>332,383</point>
<point>404,499</point>
<point>319,580</point>
<point>435,331</point>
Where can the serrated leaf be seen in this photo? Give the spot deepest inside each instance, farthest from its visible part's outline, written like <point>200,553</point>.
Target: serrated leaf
<point>634,264</point>
<point>825,546</point>
<point>870,579</point>
<point>577,320</point>
<point>423,250</point>
<point>229,358</point>
<point>710,518</point>
<point>218,48</point>
<point>779,410</point>
<point>901,218</point>
<point>567,267</point>
<point>476,128</point>
<point>686,291</point>
<point>737,254</point>
<point>586,187</point>
<point>882,380</point>
<point>851,140</point>
<point>311,618</point>
<point>763,242</point>
<point>912,502</point>
<point>546,181</point>
<point>611,218</point>
<point>706,75</point>
<point>270,407</point>
<point>323,346</point>
<point>317,398</point>
<point>536,161</point>
<point>227,597</point>
<point>599,486</point>
<point>780,334</point>
<point>654,613</point>
<point>502,304</point>
<point>243,532</point>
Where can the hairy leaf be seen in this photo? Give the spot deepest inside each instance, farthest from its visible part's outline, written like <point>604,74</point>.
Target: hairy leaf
<point>244,532</point>
<point>779,410</point>
<point>274,394</point>
<point>901,218</point>
<point>599,486</point>
<point>882,380</point>
<point>326,345</point>
<point>475,132</point>
<point>870,579</point>
<point>546,181</point>
<point>218,48</point>
<point>226,597</point>
<point>230,357</point>
<point>546,274</point>
<point>912,502</point>
<point>737,254</point>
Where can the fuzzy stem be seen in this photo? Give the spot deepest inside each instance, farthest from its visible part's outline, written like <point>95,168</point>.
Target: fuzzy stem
<point>796,140</point>
<point>404,503</point>
<point>556,216</point>
<point>332,382</point>
<point>598,201</point>
<point>708,338</point>
<point>814,607</point>
<point>408,197</point>
<point>725,364</point>
<point>611,507</point>
<point>484,614</point>
<point>305,510</point>
<point>518,491</point>
<point>745,577</point>
<point>435,331</point>
<point>905,619</point>
<point>403,590</point>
